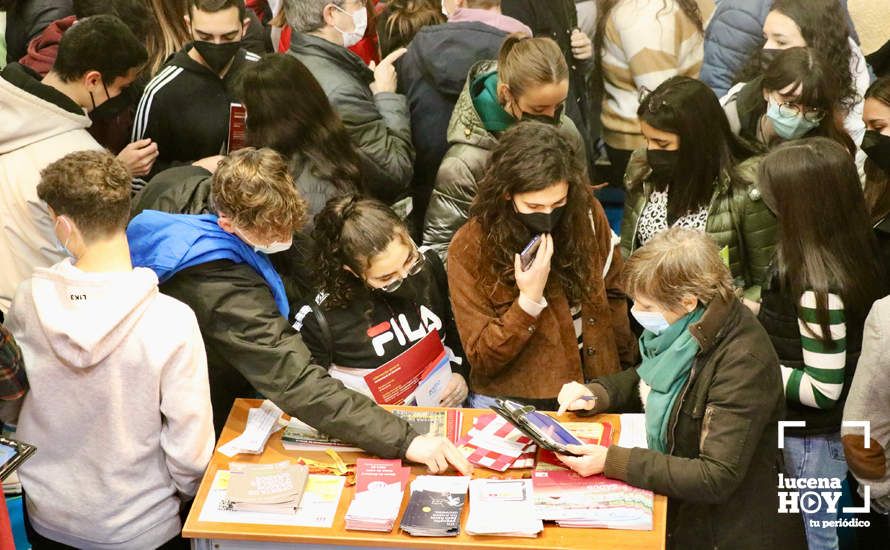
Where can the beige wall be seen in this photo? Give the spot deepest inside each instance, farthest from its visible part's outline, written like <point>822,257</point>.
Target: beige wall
<point>872,20</point>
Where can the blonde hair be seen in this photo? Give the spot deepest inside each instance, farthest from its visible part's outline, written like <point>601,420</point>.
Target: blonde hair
<point>254,189</point>
<point>525,62</point>
<point>676,263</point>
<point>170,34</point>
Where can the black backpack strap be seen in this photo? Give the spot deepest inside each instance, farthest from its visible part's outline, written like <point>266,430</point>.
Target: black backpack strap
<point>325,330</point>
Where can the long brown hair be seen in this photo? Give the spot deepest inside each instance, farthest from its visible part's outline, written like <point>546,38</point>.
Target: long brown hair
<point>402,19</point>
<point>304,129</point>
<point>171,33</point>
<point>825,242</point>
<point>532,156</point>
<point>605,7</point>
<point>877,182</point>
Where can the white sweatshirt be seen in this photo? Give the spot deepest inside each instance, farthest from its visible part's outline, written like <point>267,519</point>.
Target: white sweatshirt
<point>118,407</point>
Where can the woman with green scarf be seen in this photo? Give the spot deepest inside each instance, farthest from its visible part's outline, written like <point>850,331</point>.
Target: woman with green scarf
<point>711,389</point>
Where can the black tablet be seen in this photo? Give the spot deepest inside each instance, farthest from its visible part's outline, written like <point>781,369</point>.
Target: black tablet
<point>546,431</point>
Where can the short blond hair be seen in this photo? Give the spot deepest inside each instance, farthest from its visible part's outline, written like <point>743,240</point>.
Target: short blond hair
<point>254,189</point>
<point>676,263</point>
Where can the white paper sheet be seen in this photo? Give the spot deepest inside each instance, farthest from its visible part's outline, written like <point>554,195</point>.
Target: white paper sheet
<point>633,431</point>
<point>429,392</point>
<point>261,424</point>
<point>317,507</point>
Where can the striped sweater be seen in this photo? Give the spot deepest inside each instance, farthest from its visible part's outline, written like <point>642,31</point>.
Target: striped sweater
<point>646,42</point>
<point>820,383</point>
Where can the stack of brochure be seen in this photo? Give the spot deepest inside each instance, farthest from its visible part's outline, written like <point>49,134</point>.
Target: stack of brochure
<point>268,488</point>
<point>379,487</point>
<point>503,507</point>
<point>435,506</point>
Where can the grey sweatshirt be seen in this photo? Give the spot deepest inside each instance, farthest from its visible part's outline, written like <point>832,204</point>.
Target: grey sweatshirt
<point>119,406</point>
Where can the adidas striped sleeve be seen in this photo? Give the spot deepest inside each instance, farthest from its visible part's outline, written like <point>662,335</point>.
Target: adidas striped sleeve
<point>820,382</point>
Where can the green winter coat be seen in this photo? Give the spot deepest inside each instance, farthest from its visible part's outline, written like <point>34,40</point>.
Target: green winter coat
<point>738,221</point>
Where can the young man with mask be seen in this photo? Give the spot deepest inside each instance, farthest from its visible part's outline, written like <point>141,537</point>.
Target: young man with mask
<point>220,263</point>
<point>185,108</point>
<point>375,116</point>
<point>119,401</point>
<point>42,121</point>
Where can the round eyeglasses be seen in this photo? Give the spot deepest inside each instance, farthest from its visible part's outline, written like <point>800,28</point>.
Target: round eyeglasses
<point>415,268</point>
<point>789,110</point>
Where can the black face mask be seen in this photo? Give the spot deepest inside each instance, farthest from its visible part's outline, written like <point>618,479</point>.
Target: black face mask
<point>111,107</point>
<point>546,119</point>
<point>766,57</point>
<point>539,222</point>
<point>217,56</point>
<point>663,164</point>
<point>877,146</point>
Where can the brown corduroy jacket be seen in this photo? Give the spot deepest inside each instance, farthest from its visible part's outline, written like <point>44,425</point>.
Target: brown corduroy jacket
<point>516,355</point>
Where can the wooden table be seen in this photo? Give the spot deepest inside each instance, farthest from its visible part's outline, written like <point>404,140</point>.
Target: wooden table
<point>228,536</point>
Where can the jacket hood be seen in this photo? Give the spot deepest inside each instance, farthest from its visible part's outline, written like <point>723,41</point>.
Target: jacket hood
<point>32,111</point>
<point>466,125</point>
<point>465,43</point>
<point>42,51</point>
<point>113,303</point>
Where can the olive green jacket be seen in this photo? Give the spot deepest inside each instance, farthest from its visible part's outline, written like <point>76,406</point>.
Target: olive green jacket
<point>738,220</point>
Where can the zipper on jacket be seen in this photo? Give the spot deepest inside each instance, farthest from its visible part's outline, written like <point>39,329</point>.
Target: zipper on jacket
<point>679,406</point>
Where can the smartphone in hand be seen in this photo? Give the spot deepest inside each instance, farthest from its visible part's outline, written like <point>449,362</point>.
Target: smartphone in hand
<point>527,256</point>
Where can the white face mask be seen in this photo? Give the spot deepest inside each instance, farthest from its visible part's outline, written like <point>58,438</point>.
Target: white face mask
<point>63,247</point>
<point>444,9</point>
<point>652,321</point>
<point>271,248</point>
<point>360,21</point>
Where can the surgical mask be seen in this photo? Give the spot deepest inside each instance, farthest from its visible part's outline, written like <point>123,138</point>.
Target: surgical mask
<point>272,248</point>
<point>877,146</point>
<point>217,56</point>
<point>360,21</point>
<point>541,222</point>
<point>63,247</point>
<point>788,127</point>
<point>444,11</point>
<point>663,163</point>
<point>652,321</point>
<point>546,119</point>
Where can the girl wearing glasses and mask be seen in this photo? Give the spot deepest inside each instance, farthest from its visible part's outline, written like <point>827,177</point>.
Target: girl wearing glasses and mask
<point>529,326</point>
<point>378,295</point>
<point>795,97</point>
<point>695,173</point>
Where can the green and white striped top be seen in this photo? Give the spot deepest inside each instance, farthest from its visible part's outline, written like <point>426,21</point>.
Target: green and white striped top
<point>821,381</point>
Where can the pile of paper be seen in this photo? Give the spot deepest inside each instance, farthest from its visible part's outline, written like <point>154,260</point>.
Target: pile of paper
<point>435,506</point>
<point>496,444</point>
<point>379,486</point>
<point>267,488</point>
<point>574,501</point>
<point>262,422</point>
<point>503,507</point>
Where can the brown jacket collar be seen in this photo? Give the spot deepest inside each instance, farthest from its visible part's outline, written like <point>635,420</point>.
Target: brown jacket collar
<point>712,323</point>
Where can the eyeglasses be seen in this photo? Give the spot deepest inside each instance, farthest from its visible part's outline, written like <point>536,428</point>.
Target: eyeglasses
<point>415,268</point>
<point>789,110</point>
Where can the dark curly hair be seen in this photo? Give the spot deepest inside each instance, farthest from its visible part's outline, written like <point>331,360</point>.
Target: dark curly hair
<point>605,7</point>
<point>533,156</point>
<point>822,25</point>
<point>350,231</point>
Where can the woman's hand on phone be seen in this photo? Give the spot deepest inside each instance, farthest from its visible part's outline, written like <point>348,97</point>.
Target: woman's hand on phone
<point>531,283</point>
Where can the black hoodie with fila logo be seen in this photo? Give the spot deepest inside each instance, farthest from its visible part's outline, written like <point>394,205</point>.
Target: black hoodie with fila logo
<point>377,326</point>
<point>185,109</point>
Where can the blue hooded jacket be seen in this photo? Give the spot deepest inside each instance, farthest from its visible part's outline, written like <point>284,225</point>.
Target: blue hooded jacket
<point>169,243</point>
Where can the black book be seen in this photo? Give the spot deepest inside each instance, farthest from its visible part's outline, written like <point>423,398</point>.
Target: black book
<point>433,514</point>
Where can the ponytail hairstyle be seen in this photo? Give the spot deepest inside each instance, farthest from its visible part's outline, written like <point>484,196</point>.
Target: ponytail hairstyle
<point>605,7</point>
<point>877,182</point>
<point>350,231</point>
<point>525,63</point>
<point>532,156</point>
<point>402,19</point>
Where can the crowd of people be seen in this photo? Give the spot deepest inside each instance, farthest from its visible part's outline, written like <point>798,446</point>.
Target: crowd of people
<point>448,166</point>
